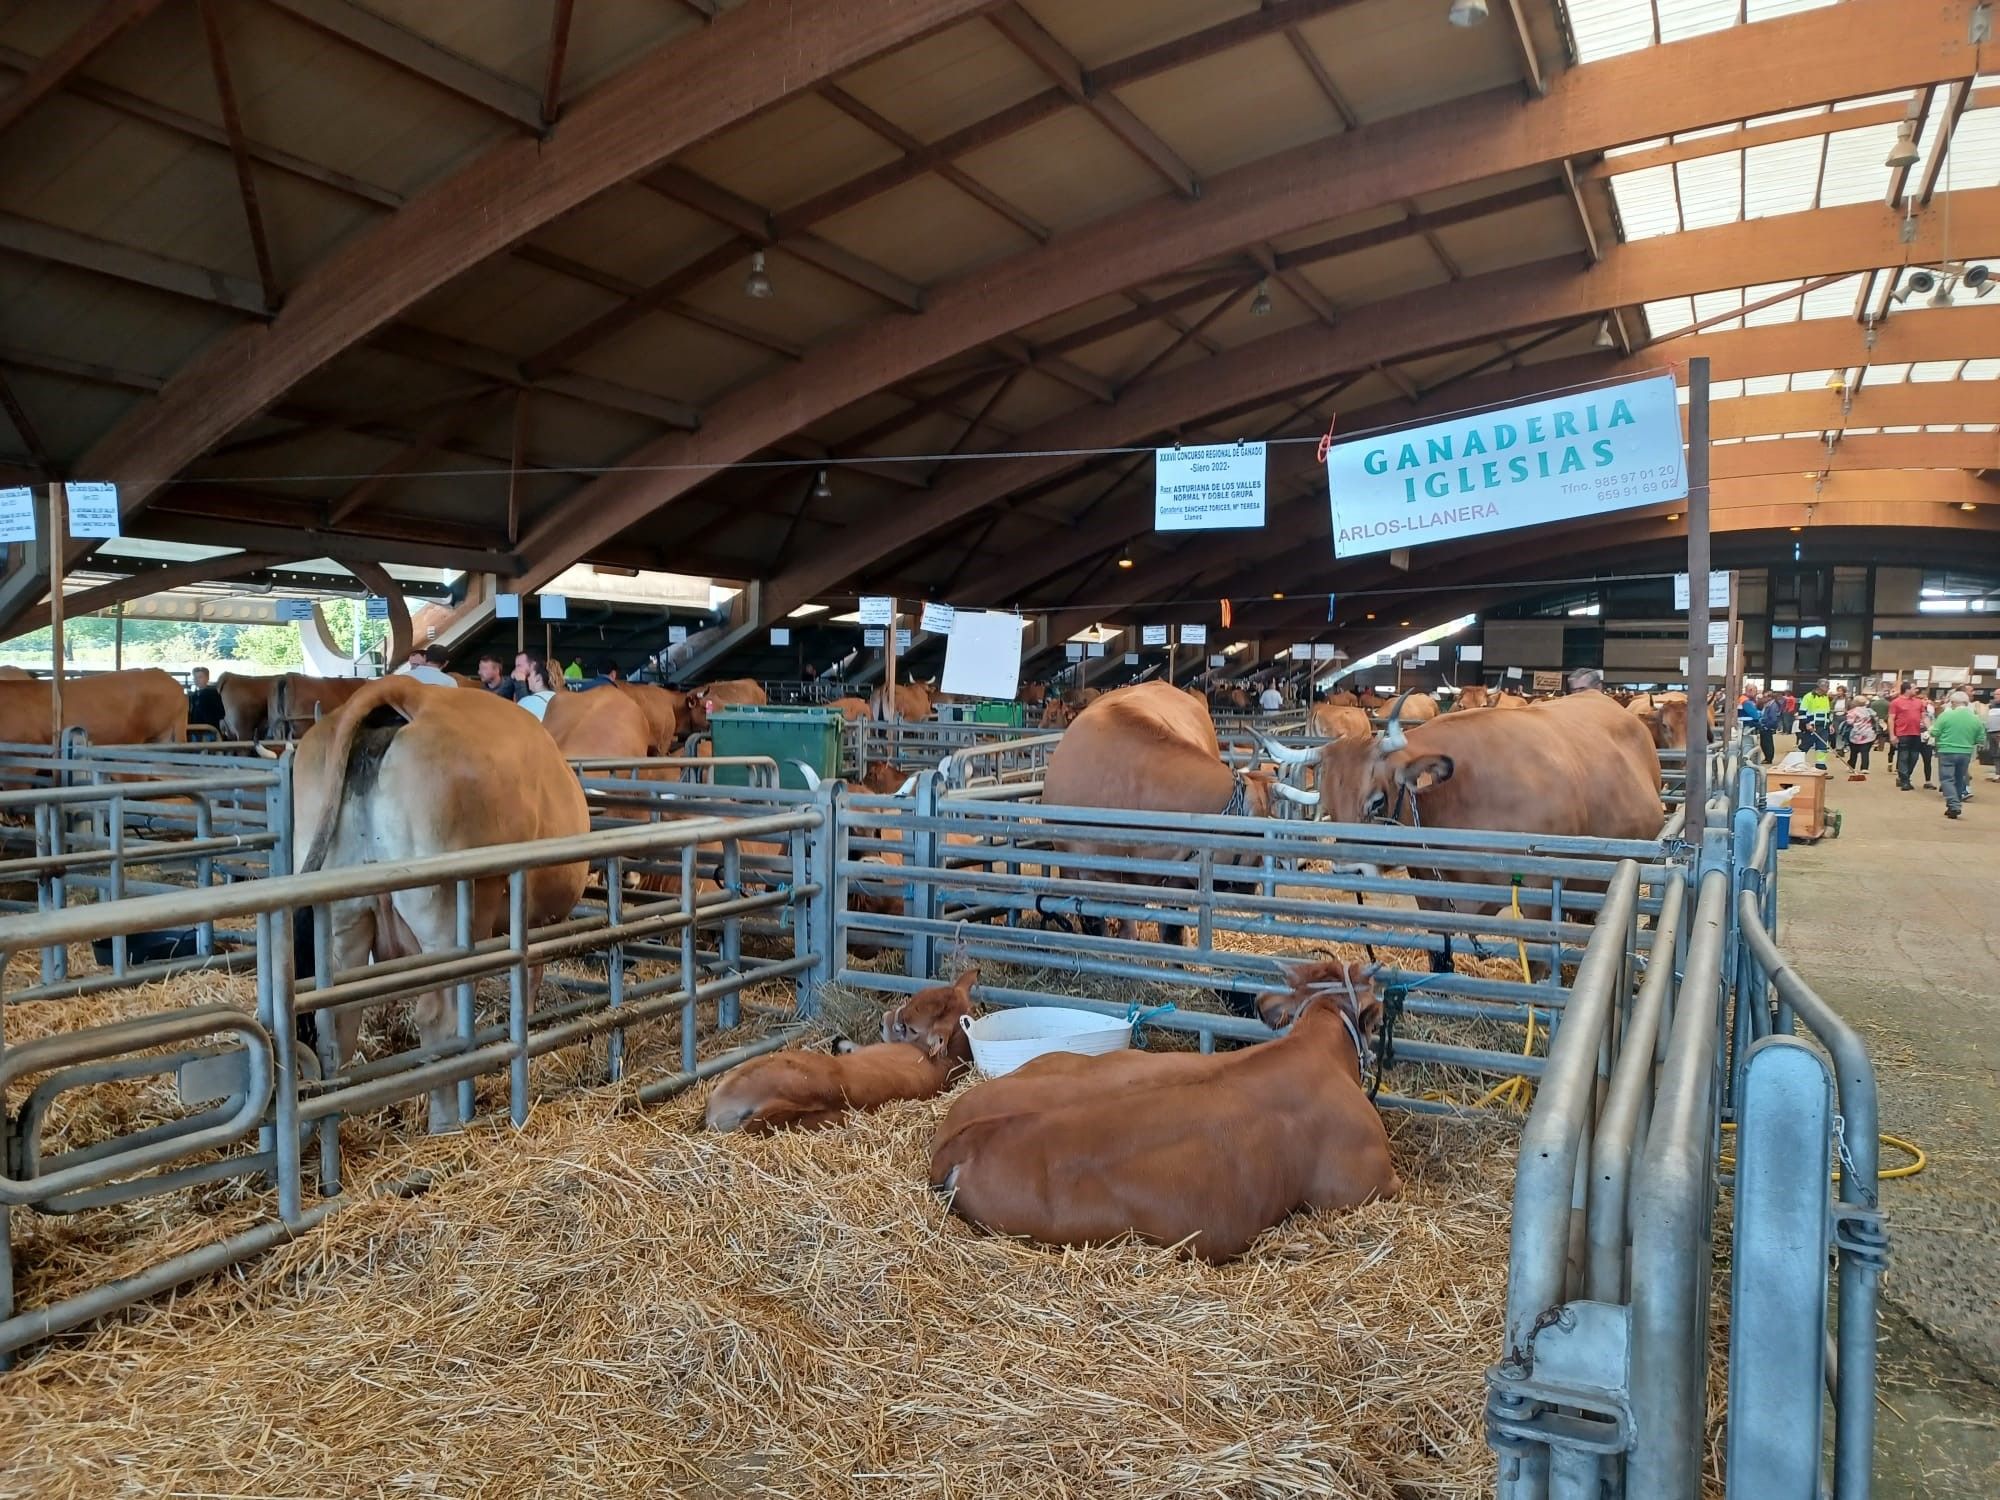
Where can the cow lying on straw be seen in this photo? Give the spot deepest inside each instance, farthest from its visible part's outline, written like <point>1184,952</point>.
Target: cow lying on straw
<point>923,1047</point>
<point>1204,1152</point>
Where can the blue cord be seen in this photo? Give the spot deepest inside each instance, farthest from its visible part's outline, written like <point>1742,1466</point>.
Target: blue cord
<point>1137,1016</point>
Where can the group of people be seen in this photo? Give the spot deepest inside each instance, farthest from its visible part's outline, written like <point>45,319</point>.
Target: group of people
<point>1913,727</point>
<point>530,681</point>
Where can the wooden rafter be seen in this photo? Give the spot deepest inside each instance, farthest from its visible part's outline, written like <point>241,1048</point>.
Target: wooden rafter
<point>18,415</point>
<point>418,56</point>
<point>102,26</point>
<point>411,454</point>
<point>1953,110</point>
<point>159,580</point>
<point>232,124</point>
<point>560,14</point>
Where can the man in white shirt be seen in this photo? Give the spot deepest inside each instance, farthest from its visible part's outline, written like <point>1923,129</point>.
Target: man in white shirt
<point>1271,700</point>
<point>427,665</point>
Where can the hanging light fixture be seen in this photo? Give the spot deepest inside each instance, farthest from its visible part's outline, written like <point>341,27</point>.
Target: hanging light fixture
<point>757,284</point>
<point>1467,13</point>
<point>1904,153</point>
<point>1125,558</point>
<point>1942,296</point>
<point>1915,284</point>
<point>1604,339</point>
<point>1967,505</point>
<point>1837,381</point>
<point>821,489</point>
<point>1978,279</point>
<point>1260,305</point>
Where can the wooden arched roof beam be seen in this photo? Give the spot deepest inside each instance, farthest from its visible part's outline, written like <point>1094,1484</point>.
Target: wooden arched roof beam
<point>1526,297</point>
<point>150,581</point>
<point>1866,46</point>
<point>753,57</point>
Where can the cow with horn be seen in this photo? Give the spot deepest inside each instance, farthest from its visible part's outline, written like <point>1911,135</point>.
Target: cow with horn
<point>1578,766</point>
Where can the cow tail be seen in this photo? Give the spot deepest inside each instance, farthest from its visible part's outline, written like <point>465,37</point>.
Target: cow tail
<point>334,765</point>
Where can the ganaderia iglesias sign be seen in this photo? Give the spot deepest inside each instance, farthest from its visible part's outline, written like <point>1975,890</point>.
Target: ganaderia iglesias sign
<point>1576,453</point>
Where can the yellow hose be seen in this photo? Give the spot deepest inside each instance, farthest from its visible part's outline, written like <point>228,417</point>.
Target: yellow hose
<point>1517,1091</point>
<point>1917,1162</point>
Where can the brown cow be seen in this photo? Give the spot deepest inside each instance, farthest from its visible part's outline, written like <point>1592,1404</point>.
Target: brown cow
<point>738,692</point>
<point>1506,699</point>
<point>1033,694</point>
<point>1200,1152</point>
<point>602,724</point>
<point>923,1047</point>
<point>1147,748</point>
<point>850,708</point>
<point>1665,716</point>
<point>1476,696</point>
<point>1419,708</point>
<point>1341,700</point>
<point>403,770</point>
<point>912,706</point>
<point>144,706</point>
<point>297,699</point>
<point>1332,721</point>
<point>246,705</point>
<point>15,674</point>
<point>668,718</point>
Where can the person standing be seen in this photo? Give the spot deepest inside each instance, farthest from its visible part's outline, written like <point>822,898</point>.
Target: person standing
<point>1271,700</point>
<point>1862,730</point>
<point>1791,712</point>
<point>493,677</point>
<point>1813,709</point>
<point>1906,728</point>
<point>1993,731</point>
<point>535,680</point>
<point>1958,732</point>
<point>204,702</point>
<point>1769,715</point>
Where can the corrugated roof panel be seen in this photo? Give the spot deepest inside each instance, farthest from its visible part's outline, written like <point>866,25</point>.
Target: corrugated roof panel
<point>1888,374</point>
<point>1781,178</point>
<point>1711,190</point>
<point>1646,203</point>
<point>1974,158</point>
<point>1930,371</point>
<point>1765,385</point>
<point>1834,300</point>
<point>1669,316</point>
<point>1854,171</point>
<point>1605,28</point>
<point>1785,311</point>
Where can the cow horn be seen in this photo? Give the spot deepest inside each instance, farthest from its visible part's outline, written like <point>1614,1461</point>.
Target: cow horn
<point>909,786</point>
<point>1284,755</point>
<point>811,776</point>
<point>1293,794</point>
<point>1393,738</point>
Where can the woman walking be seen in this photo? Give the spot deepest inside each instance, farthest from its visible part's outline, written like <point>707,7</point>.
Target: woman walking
<point>1862,732</point>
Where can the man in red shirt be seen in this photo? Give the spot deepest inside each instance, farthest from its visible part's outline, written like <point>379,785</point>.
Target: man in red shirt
<point>1906,722</point>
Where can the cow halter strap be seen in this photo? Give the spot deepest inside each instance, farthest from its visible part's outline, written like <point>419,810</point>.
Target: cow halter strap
<point>1239,799</point>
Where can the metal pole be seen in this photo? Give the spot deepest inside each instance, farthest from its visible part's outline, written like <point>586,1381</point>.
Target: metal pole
<point>1697,562</point>
<point>889,667</point>
<point>118,639</point>
<point>1734,663</point>
<point>58,546</point>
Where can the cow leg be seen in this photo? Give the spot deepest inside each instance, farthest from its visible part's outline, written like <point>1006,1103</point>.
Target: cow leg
<point>353,941</point>
<point>428,915</point>
<point>1441,963</point>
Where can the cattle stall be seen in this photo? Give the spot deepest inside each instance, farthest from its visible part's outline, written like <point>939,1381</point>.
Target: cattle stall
<point>1645,970</point>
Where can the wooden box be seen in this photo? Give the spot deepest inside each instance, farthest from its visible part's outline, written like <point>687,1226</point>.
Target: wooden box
<point>1809,806</point>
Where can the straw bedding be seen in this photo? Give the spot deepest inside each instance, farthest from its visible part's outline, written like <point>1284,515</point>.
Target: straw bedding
<point>614,1303</point>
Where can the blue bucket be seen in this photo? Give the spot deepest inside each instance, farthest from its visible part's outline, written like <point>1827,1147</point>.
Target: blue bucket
<point>1784,817</point>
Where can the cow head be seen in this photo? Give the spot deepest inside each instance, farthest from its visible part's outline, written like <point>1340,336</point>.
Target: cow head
<point>1337,985</point>
<point>932,1019</point>
<point>1363,779</point>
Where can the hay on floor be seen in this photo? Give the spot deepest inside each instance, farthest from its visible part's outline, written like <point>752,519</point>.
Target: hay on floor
<point>613,1303</point>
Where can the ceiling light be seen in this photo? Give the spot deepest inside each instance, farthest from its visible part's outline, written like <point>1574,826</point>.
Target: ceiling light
<point>1837,381</point>
<point>1673,515</point>
<point>1798,528</point>
<point>1915,284</point>
<point>821,489</point>
<point>1979,279</point>
<point>1904,153</point>
<point>1604,340</point>
<point>1406,625</point>
<point>1942,296</point>
<point>1967,505</point>
<point>1125,558</point>
<point>1371,616</point>
<point>1467,13</point>
<point>1260,305</point>
<point>1279,595</point>
<point>757,284</point>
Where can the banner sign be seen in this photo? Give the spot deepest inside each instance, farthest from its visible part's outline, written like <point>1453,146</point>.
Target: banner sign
<point>1302,651</point>
<point>1986,663</point>
<point>93,509</point>
<point>1578,454</point>
<point>1718,590</point>
<point>1514,672</point>
<point>1152,635</point>
<point>17,515</point>
<point>1427,653</point>
<point>1208,489</point>
<point>506,606</point>
<point>1194,635</point>
<point>378,607</point>
<point>1094,648</point>
<point>1074,651</point>
<point>876,609</point>
<point>1326,651</point>
<point>937,618</point>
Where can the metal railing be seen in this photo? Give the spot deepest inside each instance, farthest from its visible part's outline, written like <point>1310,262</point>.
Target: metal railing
<point>914,745</point>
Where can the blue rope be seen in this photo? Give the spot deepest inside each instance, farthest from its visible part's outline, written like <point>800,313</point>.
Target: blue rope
<point>1136,1016</point>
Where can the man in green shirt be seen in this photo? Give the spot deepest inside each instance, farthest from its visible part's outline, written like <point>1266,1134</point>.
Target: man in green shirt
<point>1958,731</point>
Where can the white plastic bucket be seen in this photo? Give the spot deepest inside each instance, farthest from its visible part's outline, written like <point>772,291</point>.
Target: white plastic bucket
<point>1004,1039</point>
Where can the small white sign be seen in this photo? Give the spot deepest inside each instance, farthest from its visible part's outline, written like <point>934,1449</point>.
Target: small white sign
<point>17,515</point>
<point>903,639</point>
<point>1409,662</point>
<point>1326,651</point>
<point>93,509</point>
<point>1131,658</point>
<point>1302,651</point>
<point>1718,632</point>
<point>1094,648</point>
<point>1986,663</point>
<point>1947,676</point>
<point>1208,489</point>
<point>1471,653</point>
<point>677,635</point>
<point>937,618</point>
<point>982,658</point>
<point>1218,661</point>
<point>554,606</point>
<point>1152,635</point>
<point>876,636</point>
<point>1718,589</point>
<point>291,611</point>
<point>1074,650</point>
<point>1922,676</point>
<point>876,609</point>
<point>506,606</point>
<point>1194,635</point>
<point>1427,653</point>
<point>781,635</point>
<point>1515,673</point>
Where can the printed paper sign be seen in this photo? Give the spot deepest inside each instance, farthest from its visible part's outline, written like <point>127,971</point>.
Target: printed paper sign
<point>1152,635</point>
<point>93,509</point>
<point>1208,489</point>
<point>553,606</point>
<point>781,635</point>
<point>1074,651</point>
<point>1471,653</point>
<point>875,637</point>
<point>17,515</point>
<point>1514,672</point>
<point>1094,648</point>
<point>677,635</point>
<point>1326,651</point>
<point>1718,632</point>
<point>1986,663</point>
<point>1218,661</point>
<point>982,658</point>
<point>506,606</point>
<point>1718,590</point>
<point>1580,453</point>
<point>1947,676</point>
<point>1922,676</point>
<point>937,618</point>
<point>1427,653</point>
<point>378,608</point>
<point>903,639</point>
<point>1548,682</point>
<point>1302,651</point>
<point>876,609</point>
<point>1194,635</point>
<point>291,611</point>
<point>1131,658</point>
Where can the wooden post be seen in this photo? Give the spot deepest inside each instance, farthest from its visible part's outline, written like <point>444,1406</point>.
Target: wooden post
<point>118,638</point>
<point>1697,563</point>
<point>889,664</point>
<point>58,546</point>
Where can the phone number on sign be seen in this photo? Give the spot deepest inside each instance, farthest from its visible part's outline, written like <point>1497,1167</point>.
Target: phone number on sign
<point>1636,483</point>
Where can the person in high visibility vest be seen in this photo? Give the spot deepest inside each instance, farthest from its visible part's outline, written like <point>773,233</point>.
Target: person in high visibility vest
<point>1814,708</point>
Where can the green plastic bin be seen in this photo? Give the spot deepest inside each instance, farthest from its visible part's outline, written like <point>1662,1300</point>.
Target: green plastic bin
<point>786,734</point>
<point>1009,715</point>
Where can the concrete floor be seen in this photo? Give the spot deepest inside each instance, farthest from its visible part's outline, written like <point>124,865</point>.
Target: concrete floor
<point>1897,923</point>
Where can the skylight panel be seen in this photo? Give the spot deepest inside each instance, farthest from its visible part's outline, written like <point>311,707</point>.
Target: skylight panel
<point>1724,442</point>
<point>1810,380</point>
<point>1834,300</point>
<point>1781,178</point>
<point>1973,160</point>
<point>1712,305</point>
<point>1982,427</point>
<point>1931,427</point>
<point>1899,429</point>
<point>1606,28</point>
<point>1764,385</point>
<point>1854,171</point>
<point>1680,19</point>
<point>1670,316</point>
<point>1813,433</point>
<point>1980,369</point>
<point>1899,96</point>
<point>1646,203</point>
<point>1790,114</point>
<point>1785,311</point>
<point>1888,374</point>
<point>1930,371</point>
<point>1762,437</point>
<point>1863,431</point>
<point>1711,190</point>
<point>1725,390</point>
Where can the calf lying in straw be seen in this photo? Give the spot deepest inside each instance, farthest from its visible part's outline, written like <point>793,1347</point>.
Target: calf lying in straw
<point>923,1047</point>
<point>1206,1152</point>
